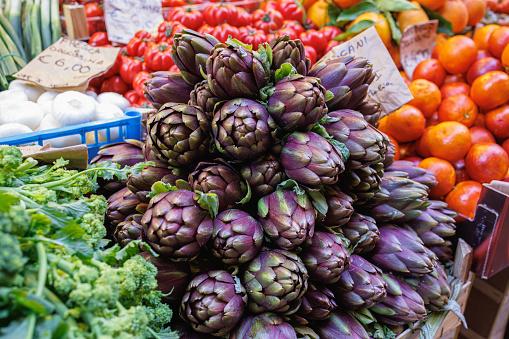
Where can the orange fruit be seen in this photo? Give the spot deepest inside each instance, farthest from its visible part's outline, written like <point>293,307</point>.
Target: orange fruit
<point>490,90</point>
<point>456,12</point>
<point>407,149</point>
<point>483,66</point>
<point>347,3</point>
<point>414,16</point>
<point>445,174</point>
<point>405,77</point>
<point>381,25</point>
<point>498,40</point>
<point>432,4</point>
<point>497,122</point>
<point>427,96</point>
<point>476,10</point>
<point>307,3</point>
<point>480,121</point>
<point>480,134</point>
<point>463,198</point>
<point>461,172</point>
<point>318,13</point>
<point>406,124</point>
<point>482,53</point>
<point>505,56</point>
<point>382,125</point>
<point>431,70</point>
<point>422,144</point>
<point>438,47</point>
<point>393,141</point>
<point>454,88</point>
<point>432,120</point>
<point>449,140</point>
<point>455,78</point>
<point>505,145</point>
<point>487,161</point>
<point>458,53</point>
<point>482,36</point>
<point>458,108</point>
<point>394,52</point>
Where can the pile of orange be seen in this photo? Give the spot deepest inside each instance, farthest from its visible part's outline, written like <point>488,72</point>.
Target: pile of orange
<point>457,125</point>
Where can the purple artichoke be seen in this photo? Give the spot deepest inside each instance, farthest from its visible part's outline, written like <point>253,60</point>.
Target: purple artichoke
<point>325,258</point>
<point>203,97</point>
<point>288,218</point>
<point>165,86</point>
<point>236,237</point>
<point>433,288</point>
<point>263,326</point>
<point>129,230</point>
<point>243,129</point>
<point>339,209</point>
<point>263,175</point>
<point>341,325</point>
<point>127,153</point>
<point>177,225</point>
<point>317,303</point>
<point>141,183</point>
<point>285,50</point>
<point>362,232</point>
<point>214,302</point>
<point>311,160</point>
<point>120,206</point>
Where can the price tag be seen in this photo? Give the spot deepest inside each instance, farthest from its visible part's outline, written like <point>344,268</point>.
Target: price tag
<point>68,64</point>
<point>388,88</point>
<point>416,45</point>
<point>126,17</point>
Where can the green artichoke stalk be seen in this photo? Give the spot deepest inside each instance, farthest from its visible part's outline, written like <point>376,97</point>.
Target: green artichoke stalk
<point>361,285</point>
<point>340,325</point>
<point>221,179</point>
<point>263,326</point>
<point>263,175</point>
<point>433,288</point>
<point>286,50</point>
<point>347,77</point>
<point>190,52</point>
<point>236,237</point>
<point>234,71</point>
<point>297,103</point>
<point>421,175</point>
<point>402,305</point>
<point>214,302</point>
<point>203,97</point>
<point>401,251</point>
<point>287,217</point>
<point>317,303</point>
<point>177,224</point>
<point>311,160</point>
<point>120,206</point>
<point>366,144</point>
<point>165,86</point>
<point>180,134</point>
<point>129,230</point>
<point>275,281</point>
<point>362,232</point>
<point>325,258</point>
<point>339,209</point>
<point>243,129</point>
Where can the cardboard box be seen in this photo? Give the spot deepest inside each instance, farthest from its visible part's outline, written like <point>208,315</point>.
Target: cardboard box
<point>488,232</point>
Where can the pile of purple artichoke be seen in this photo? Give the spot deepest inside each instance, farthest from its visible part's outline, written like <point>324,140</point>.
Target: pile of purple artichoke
<point>275,205</point>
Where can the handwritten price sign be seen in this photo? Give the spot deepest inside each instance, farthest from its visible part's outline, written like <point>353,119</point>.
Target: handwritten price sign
<point>68,63</point>
<point>126,17</point>
<point>417,43</point>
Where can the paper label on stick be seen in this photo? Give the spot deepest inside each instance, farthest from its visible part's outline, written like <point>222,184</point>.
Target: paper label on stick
<point>416,45</point>
<point>126,17</point>
<point>68,64</point>
<point>388,88</point>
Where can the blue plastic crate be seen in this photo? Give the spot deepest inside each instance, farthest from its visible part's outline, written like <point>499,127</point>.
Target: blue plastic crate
<point>129,125</point>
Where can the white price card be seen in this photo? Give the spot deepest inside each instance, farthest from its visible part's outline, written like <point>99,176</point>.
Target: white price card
<point>126,17</point>
<point>388,88</point>
<point>416,45</point>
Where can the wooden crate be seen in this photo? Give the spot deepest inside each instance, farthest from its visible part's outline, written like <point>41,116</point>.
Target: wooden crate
<point>488,308</point>
<point>450,326</point>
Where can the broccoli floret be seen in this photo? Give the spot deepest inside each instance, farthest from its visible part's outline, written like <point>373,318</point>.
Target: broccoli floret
<point>97,204</point>
<point>62,282</point>
<point>139,279</point>
<point>10,159</point>
<point>40,195</point>
<point>94,229</point>
<point>15,221</point>
<point>158,316</point>
<point>132,321</point>
<point>11,259</point>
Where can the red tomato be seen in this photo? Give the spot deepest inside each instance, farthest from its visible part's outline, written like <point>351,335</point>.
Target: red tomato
<point>139,82</point>
<point>114,84</point>
<point>92,27</point>
<point>115,69</point>
<point>330,45</point>
<point>215,14</point>
<point>268,22</point>
<point>93,10</point>
<point>158,56</point>
<point>130,67</point>
<point>314,39</point>
<point>222,32</point>
<point>241,17</point>
<point>96,81</point>
<point>252,36</point>
<point>172,3</point>
<point>310,54</point>
<point>288,31</point>
<point>291,10</point>
<point>144,35</point>
<point>205,29</point>
<point>330,32</point>
<point>188,17</point>
<point>96,90</point>
<point>270,5</point>
<point>136,47</point>
<point>270,36</point>
<point>174,68</point>
<point>99,39</point>
<point>297,27</point>
<point>132,96</point>
<point>308,24</point>
<point>167,30</point>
